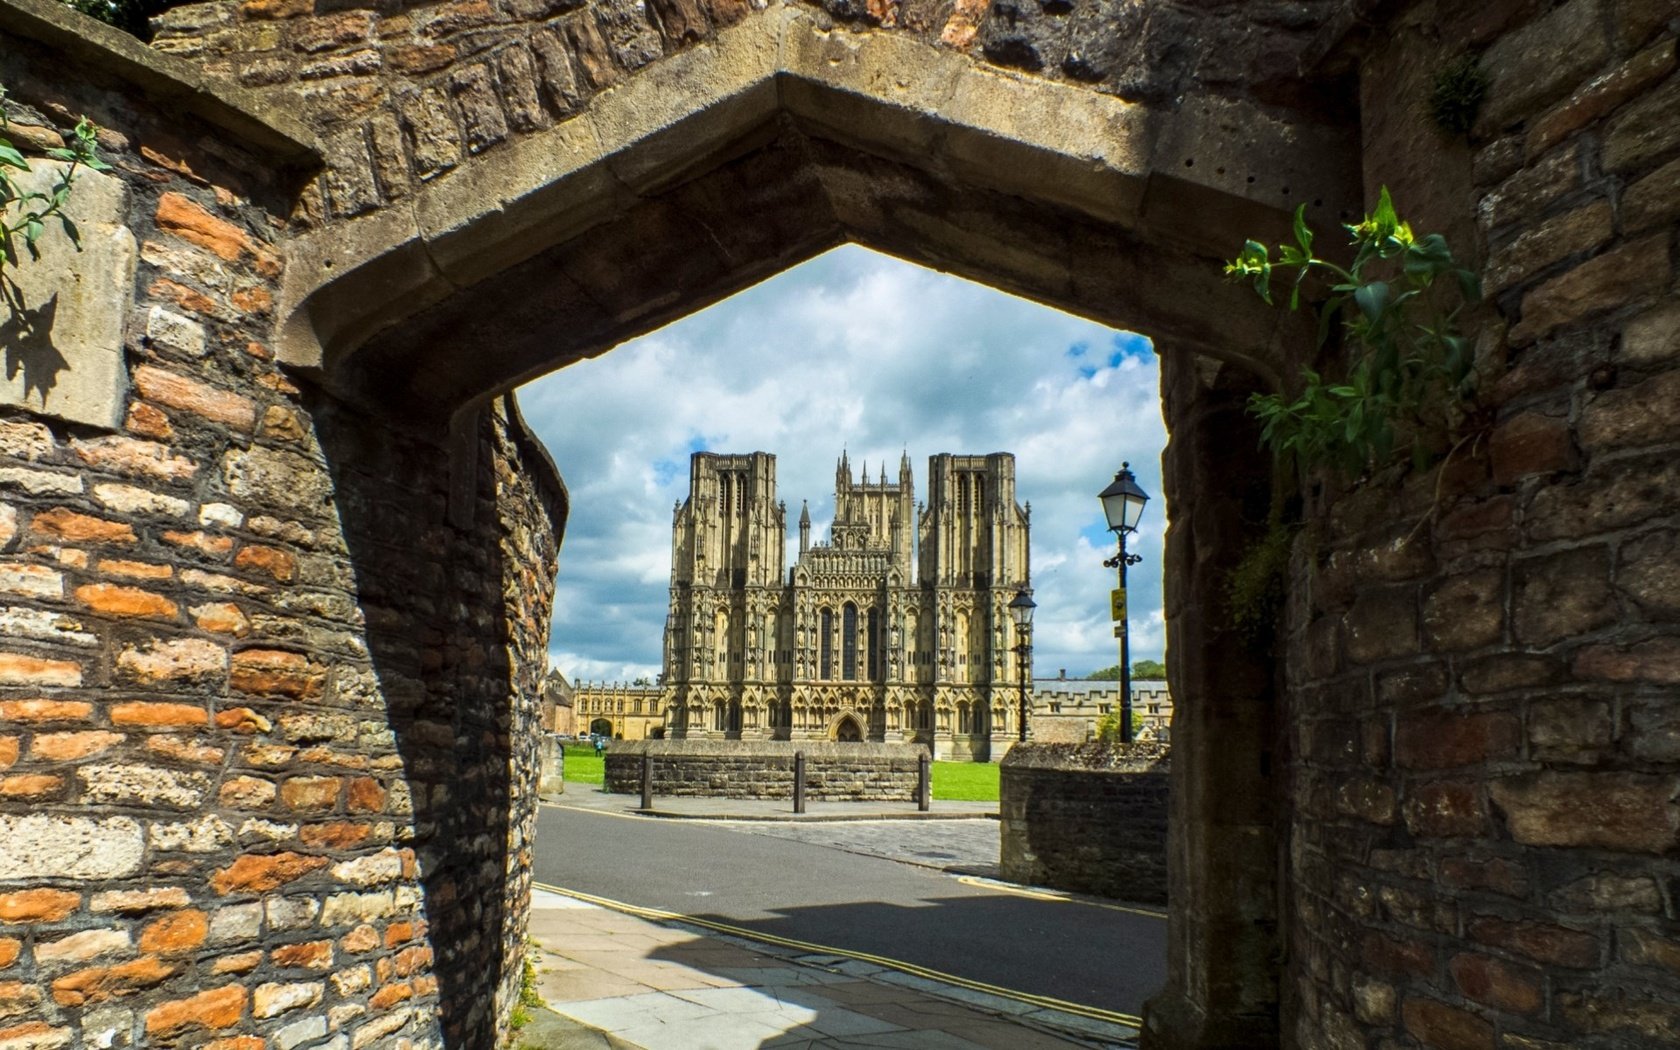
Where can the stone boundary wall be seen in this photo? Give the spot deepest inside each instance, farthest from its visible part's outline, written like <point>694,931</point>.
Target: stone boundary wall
<point>1091,818</point>
<point>741,769</point>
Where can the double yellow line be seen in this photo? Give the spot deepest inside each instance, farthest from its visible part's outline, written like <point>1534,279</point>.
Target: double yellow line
<point>1053,895</point>
<point>1044,1001</point>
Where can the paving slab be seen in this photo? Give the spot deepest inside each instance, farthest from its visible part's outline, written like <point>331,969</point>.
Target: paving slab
<point>663,986</point>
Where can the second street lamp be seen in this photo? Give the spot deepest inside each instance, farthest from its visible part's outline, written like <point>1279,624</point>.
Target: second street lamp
<point>1021,611</point>
<point>1122,503</point>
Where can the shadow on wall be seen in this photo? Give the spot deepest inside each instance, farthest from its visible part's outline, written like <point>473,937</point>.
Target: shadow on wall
<point>446,627</point>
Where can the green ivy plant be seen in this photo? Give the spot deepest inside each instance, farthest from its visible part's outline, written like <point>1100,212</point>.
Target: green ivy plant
<point>1457,96</point>
<point>24,214</point>
<point>1409,378</point>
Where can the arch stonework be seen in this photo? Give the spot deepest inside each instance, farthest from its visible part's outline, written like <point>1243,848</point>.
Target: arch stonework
<point>818,134</point>
<point>1443,817</point>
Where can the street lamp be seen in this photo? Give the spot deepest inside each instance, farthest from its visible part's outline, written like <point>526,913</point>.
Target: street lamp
<point>1122,504</point>
<point>1021,611</point>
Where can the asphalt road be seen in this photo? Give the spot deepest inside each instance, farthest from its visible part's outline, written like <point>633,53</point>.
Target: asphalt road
<point>1084,953</point>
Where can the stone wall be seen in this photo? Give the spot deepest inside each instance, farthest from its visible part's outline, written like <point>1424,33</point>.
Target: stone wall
<point>748,769</point>
<point>1090,818</point>
<point>1484,750</point>
<point>403,94</point>
<point>264,659</point>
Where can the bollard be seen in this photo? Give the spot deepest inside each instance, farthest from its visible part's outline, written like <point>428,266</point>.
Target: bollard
<point>924,782</point>
<point>799,781</point>
<point>647,780</point>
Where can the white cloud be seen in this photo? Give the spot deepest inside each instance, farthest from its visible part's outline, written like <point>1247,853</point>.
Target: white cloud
<point>858,351</point>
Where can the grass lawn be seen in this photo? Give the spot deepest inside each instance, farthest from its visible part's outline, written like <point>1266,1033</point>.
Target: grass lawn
<point>966,781</point>
<point>583,765</point>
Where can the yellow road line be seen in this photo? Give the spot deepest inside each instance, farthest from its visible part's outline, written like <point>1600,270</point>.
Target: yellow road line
<point>1052,895</point>
<point>592,812</point>
<point>655,914</point>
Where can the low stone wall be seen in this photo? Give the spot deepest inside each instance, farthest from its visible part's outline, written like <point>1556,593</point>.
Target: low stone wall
<point>764,769</point>
<point>1091,818</point>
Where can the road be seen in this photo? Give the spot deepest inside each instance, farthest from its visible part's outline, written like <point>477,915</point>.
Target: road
<point>1091,954</point>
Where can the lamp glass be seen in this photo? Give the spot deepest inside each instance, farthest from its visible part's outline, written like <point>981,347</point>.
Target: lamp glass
<point>1122,501</point>
<point>1021,608</point>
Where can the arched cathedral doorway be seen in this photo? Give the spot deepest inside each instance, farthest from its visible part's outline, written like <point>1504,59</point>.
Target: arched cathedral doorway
<point>847,731</point>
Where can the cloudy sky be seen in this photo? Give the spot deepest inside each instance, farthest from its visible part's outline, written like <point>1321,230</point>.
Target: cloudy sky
<point>859,351</point>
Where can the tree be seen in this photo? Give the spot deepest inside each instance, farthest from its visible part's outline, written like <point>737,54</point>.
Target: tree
<point>1108,726</point>
<point>1142,670</point>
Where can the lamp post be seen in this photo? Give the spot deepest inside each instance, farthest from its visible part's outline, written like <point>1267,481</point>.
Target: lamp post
<point>1021,611</point>
<point>1122,503</point>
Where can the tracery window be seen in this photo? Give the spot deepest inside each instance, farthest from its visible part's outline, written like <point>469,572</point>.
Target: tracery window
<point>827,644</point>
<point>848,628</point>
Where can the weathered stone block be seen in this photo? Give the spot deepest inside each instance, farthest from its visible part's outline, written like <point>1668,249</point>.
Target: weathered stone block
<point>63,333</point>
<point>1643,130</point>
<point>1383,623</point>
<point>1570,729</point>
<point>1564,594</point>
<point>1444,809</point>
<point>42,846</point>
<point>1624,811</point>
<point>1499,984</point>
<point>1466,611</point>
<point>1616,278</point>
<point>1646,414</point>
<point>1543,60</point>
<point>1653,200</point>
<point>1600,96</point>
<point>1446,739</point>
<point>1585,229</point>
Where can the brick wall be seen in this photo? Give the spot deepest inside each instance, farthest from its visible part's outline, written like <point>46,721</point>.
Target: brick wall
<point>259,693</point>
<point>744,769</point>
<point>1485,755</point>
<point>1091,818</point>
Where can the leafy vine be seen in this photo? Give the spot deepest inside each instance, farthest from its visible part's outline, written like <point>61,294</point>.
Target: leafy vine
<point>1410,377</point>
<point>24,213</point>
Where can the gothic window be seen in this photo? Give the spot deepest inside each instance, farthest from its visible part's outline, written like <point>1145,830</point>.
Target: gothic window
<point>740,495</point>
<point>827,644</point>
<point>848,627</point>
<point>962,493</point>
<point>719,714</point>
<point>723,494</point>
<point>875,646</point>
<point>963,719</point>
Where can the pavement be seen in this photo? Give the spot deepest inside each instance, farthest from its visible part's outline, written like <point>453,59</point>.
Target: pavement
<point>618,977</point>
<point>617,980</point>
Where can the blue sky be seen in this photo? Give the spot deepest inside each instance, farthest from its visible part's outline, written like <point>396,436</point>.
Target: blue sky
<point>859,351</point>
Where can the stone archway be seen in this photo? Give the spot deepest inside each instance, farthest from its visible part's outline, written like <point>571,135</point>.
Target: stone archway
<point>1075,199</point>
<point>846,729</point>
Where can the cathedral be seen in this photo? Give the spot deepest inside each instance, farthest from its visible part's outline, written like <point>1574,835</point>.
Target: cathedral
<point>897,629</point>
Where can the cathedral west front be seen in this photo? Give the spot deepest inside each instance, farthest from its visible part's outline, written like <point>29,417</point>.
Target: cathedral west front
<point>897,629</point>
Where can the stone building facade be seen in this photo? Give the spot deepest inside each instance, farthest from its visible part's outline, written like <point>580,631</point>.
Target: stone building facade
<point>619,711</point>
<point>896,630</point>
<point>1067,710</point>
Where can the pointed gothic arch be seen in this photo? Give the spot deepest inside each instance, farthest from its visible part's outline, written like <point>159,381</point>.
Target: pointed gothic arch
<point>720,166</point>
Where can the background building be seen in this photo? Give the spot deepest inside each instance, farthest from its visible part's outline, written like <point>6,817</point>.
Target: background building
<point>1067,710</point>
<point>897,629</point>
<point>619,711</point>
